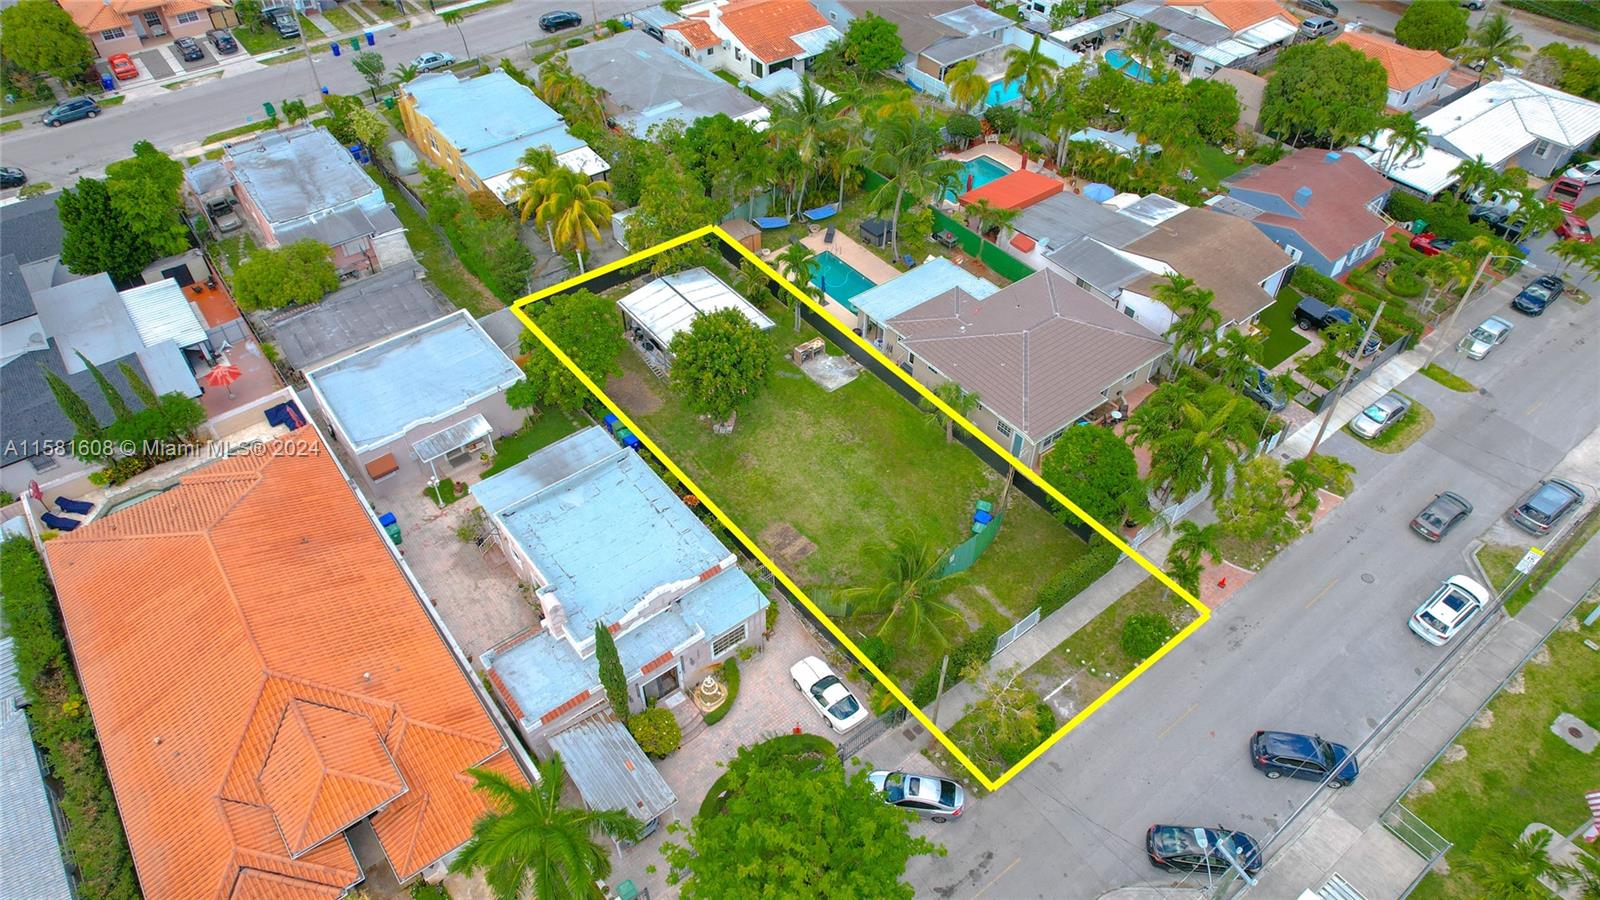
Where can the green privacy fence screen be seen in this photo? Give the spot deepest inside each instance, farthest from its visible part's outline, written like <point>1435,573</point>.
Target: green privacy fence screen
<point>1004,264</point>
<point>963,556</point>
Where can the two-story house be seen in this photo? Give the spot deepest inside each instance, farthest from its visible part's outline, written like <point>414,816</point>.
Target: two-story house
<point>751,39</point>
<point>128,26</point>
<point>1416,77</point>
<point>1320,205</point>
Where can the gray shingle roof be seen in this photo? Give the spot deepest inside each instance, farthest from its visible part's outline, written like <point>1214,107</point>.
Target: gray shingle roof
<point>350,318</point>
<point>28,411</point>
<point>30,230</point>
<point>648,84</point>
<point>16,302</point>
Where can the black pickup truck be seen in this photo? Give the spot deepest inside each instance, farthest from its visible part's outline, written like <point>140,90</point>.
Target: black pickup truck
<point>1314,315</point>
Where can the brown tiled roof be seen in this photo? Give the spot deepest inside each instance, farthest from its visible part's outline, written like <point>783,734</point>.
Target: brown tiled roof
<point>1038,353</point>
<point>1337,218</point>
<point>1237,15</point>
<point>1223,254</point>
<point>1405,66</point>
<point>767,27</point>
<point>697,32</point>
<point>262,675</point>
<point>913,18</point>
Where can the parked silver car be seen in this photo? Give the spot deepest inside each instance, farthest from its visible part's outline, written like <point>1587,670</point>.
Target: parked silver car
<point>432,61</point>
<point>1380,416</point>
<point>929,796</point>
<point>1491,334</point>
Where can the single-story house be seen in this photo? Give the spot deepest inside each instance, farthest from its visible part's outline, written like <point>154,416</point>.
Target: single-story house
<point>1415,76</point>
<point>787,83</point>
<point>604,540</point>
<point>264,679</point>
<point>751,39</point>
<point>397,299</point>
<point>659,311</point>
<point>880,303</point>
<point>32,857</point>
<point>1207,35</point>
<point>646,84</point>
<point>1427,174</point>
<point>128,26</point>
<point>477,129</point>
<point>1515,122</point>
<point>936,35</point>
<point>1320,205</point>
<point>1086,34</point>
<point>424,402</point>
<point>1122,143</point>
<point>301,184</point>
<point>1039,354</point>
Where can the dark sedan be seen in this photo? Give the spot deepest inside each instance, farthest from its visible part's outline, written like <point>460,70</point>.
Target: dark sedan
<point>189,50</point>
<point>11,177</point>
<point>1539,293</point>
<point>1185,848</point>
<point>222,41</point>
<point>1305,756</point>
<point>1441,515</point>
<point>1539,511</point>
<point>562,18</point>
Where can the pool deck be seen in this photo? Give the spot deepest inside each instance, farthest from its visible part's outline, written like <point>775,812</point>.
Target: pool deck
<point>996,151</point>
<point>857,257</point>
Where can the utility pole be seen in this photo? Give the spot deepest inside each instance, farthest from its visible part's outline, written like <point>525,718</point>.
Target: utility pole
<point>1338,393</point>
<point>316,94</point>
<point>1450,328</point>
<point>937,697</point>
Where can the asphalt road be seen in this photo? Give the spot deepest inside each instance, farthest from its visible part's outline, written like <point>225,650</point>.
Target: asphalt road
<point>1317,642</point>
<point>177,118</point>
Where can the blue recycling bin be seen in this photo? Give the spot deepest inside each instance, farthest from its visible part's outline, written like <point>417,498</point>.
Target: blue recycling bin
<point>387,519</point>
<point>335,46</point>
<point>611,422</point>
<point>107,82</point>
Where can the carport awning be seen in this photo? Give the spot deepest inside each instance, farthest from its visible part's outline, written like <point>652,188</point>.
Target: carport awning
<point>458,435</point>
<point>610,770</point>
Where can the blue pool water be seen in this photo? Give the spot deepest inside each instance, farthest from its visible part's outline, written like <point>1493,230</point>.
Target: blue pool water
<point>1004,92</point>
<point>975,173</point>
<point>1127,65</point>
<point>836,279</point>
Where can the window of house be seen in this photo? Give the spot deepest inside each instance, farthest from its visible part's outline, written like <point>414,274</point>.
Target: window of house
<point>186,18</point>
<point>1128,311</point>
<point>111,34</point>
<point>1541,149</point>
<point>433,144</point>
<point>1003,428</point>
<point>755,67</point>
<point>728,640</point>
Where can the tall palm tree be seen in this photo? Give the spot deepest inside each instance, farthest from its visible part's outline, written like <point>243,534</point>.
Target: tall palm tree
<point>532,846</point>
<point>532,173</point>
<point>1036,70</point>
<point>986,216</point>
<point>1510,868</point>
<point>801,122</point>
<point>1065,116</point>
<point>847,134</point>
<point>1197,321</point>
<point>557,82</point>
<point>958,399</point>
<point>1471,174</point>
<point>1237,357</point>
<point>909,592</point>
<point>1204,447</point>
<point>572,210</point>
<point>454,19</point>
<point>1186,572</point>
<point>1144,43</point>
<point>905,151</point>
<point>1584,874</point>
<point>798,263</point>
<point>1494,44</point>
<point>1195,543</point>
<point>967,87</point>
<point>1407,139</point>
<point>1570,252</point>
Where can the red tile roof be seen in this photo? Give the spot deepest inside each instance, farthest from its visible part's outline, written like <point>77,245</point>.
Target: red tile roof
<point>1406,67</point>
<point>1237,15</point>
<point>1337,218</point>
<point>696,32</point>
<point>767,28</point>
<point>261,675</point>
<point>100,15</point>
<point>1018,190</point>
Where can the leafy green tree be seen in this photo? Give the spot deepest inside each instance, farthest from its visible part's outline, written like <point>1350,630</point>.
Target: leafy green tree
<point>1432,25</point>
<point>1258,506</point>
<point>905,151</point>
<point>1576,70</point>
<point>301,272</point>
<point>671,202</point>
<point>141,388</point>
<point>1008,719</point>
<point>295,110</point>
<point>588,329</point>
<point>1094,468</point>
<point>94,238</point>
<point>1324,94</point>
<point>958,399</point>
<point>114,399</point>
<point>39,36</point>
<point>144,195</point>
<point>806,829</point>
<point>353,123</point>
<point>657,731</point>
<point>370,66</point>
<point>1213,108</point>
<point>871,44</point>
<point>1493,46</point>
<point>612,677</point>
<point>720,363</point>
<point>532,846</point>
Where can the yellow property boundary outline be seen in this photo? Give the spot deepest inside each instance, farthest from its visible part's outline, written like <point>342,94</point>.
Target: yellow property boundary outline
<point>520,309</point>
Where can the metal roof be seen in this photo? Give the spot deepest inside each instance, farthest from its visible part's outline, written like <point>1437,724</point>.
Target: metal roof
<point>1080,30</point>
<point>161,312</point>
<point>656,15</point>
<point>1500,118</point>
<point>934,277</point>
<point>973,19</point>
<point>1428,173</point>
<point>370,309</point>
<point>456,436</point>
<point>1064,218</point>
<point>953,50</point>
<point>30,855</point>
<point>786,82</point>
<point>610,770</point>
<point>1153,209</point>
<point>331,228</point>
<point>817,39</point>
<point>670,304</point>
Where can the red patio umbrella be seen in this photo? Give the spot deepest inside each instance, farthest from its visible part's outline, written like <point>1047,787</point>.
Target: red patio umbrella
<point>223,375</point>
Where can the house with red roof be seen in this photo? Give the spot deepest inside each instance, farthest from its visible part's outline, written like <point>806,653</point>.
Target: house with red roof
<point>128,26</point>
<point>751,39</point>
<point>1322,206</point>
<point>1415,76</point>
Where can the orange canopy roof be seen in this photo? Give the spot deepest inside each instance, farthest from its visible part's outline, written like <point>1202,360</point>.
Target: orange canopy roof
<point>99,15</point>
<point>1406,67</point>
<point>262,676</point>
<point>1237,15</point>
<point>1018,190</point>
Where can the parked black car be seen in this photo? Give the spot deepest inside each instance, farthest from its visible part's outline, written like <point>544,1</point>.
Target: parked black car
<point>1177,849</point>
<point>189,50</point>
<point>1314,315</point>
<point>1305,756</point>
<point>222,41</point>
<point>283,21</point>
<point>1540,293</point>
<point>71,111</point>
<point>11,177</point>
<point>1544,506</point>
<point>1441,515</point>
<point>561,18</point>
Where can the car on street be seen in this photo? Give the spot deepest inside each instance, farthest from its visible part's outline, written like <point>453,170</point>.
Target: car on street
<point>11,176</point>
<point>1188,848</point>
<point>1440,515</point>
<point>1588,173</point>
<point>71,111</point>
<point>1545,505</point>
<point>838,707</point>
<point>1487,336</point>
<point>561,18</point>
<point>222,41</point>
<point>1380,416</point>
<point>1303,756</point>
<point>1566,192</point>
<point>929,796</point>
<point>431,60</point>
<point>1318,6</point>
<point>189,49</point>
<point>1430,244</point>
<point>1574,228</point>
<point>1539,294</point>
<point>1316,27</point>
<point>122,66</point>
<point>1258,386</point>
<point>1449,609</point>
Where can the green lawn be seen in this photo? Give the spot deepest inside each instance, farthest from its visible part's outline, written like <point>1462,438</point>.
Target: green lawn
<point>12,125</point>
<point>850,471</point>
<point>342,20</point>
<point>1516,771</point>
<point>1499,562</point>
<point>1402,434</point>
<point>259,37</point>
<point>550,427</point>
<point>1282,341</point>
<point>1552,563</point>
<point>444,270</point>
<point>1212,164</point>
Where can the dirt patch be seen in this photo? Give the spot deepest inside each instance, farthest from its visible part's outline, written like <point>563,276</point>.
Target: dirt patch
<point>1516,685</point>
<point>1542,656</point>
<point>1422,788</point>
<point>785,544</point>
<point>1485,719</point>
<point>1455,753</point>
<point>635,393</point>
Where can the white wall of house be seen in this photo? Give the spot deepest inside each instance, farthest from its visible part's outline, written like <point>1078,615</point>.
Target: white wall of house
<point>1418,96</point>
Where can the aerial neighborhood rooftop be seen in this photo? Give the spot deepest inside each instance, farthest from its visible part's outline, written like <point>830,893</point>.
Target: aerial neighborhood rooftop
<point>735,448</point>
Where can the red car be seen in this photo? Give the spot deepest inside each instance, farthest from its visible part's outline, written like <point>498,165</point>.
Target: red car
<point>1429,244</point>
<point>122,67</point>
<point>1574,229</point>
<point>1566,192</point>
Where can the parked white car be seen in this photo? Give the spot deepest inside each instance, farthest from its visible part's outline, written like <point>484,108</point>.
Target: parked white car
<point>1491,334</point>
<point>1588,173</point>
<point>432,61</point>
<point>1443,615</point>
<point>839,707</point>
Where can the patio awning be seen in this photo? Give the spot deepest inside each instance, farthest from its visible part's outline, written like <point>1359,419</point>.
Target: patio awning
<point>610,770</point>
<point>456,436</point>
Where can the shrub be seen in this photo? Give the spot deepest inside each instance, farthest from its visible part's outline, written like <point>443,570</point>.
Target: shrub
<point>1144,633</point>
<point>575,42</point>
<point>1396,322</point>
<point>425,891</point>
<point>1079,574</point>
<point>1402,282</point>
<point>656,731</point>
<point>1309,281</point>
<point>976,647</point>
<point>1003,119</point>
<point>1407,208</point>
<point>730,678</point>
<point>772,614</point>
<point>876,649</point>
<point>962,127</point>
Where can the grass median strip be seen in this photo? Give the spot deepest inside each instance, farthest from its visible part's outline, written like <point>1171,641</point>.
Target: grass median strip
<point>1447,378</point>
<point>1580,535</point>
<point>1402,434</point>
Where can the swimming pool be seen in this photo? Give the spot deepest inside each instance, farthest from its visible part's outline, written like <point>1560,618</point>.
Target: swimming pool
<point>975,173</point>
<point>1004,92</point>
<point>1127,65</point>
<point>836,279</point>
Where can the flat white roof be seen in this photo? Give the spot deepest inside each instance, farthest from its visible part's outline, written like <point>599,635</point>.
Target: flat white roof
<point>1429,173</point>
<point>671,303</point>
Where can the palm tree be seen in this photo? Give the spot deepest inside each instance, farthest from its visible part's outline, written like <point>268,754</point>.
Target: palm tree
<point>958,399</point>
<point>1144,43</point>
<point>1065,115</point>
<point>1509,868</point>
<point>532,171</point>
<point>1195,543</point>
<point>1471,174</point>
<point>1584,874</point>
<point>909,591</point>
<point>1407,139</point>
<point>1197,321</point>
<point>798,263</point>
<point>557,82</point>
<point>1036,70</point>
<point>1186,572</point>
<point>801,122</point>
<point>532,846</point>
<point>1570,252</point>
<point>1237,357</point>
<point>988,216</point>
<point>453,19</point>
<point>967,87</point>
<point>572,209</point>
<point>1494,44</point>
<point>1204,447</point>
<point>905,151</point>
<point>1540,215</point>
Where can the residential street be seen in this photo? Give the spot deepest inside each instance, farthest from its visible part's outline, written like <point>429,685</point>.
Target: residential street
<point>1317,642</point>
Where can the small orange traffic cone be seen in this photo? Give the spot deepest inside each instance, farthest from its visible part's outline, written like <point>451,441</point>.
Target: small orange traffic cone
<point>1223,583</point>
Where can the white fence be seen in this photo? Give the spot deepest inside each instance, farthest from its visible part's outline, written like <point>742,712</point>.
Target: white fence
<point>1023,626</point>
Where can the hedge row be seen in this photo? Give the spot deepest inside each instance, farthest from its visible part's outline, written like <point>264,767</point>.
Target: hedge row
<point>1396,321</point>
<point>977,647</point>
<point>1079,574</point>
<point>1578,12</point>
<point>59,718</point>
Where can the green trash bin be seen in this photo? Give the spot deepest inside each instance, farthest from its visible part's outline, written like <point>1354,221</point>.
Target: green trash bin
<point>394,533</point>
<point>388,102</point>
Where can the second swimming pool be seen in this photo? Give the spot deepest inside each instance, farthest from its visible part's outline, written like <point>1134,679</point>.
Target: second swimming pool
<point>975,173</point>
<point>836,279</point>
<point>1127,65</point>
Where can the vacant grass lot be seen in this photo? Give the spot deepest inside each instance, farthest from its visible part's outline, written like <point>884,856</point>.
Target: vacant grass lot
<point>1515,770</point>
<point>822,481</point>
